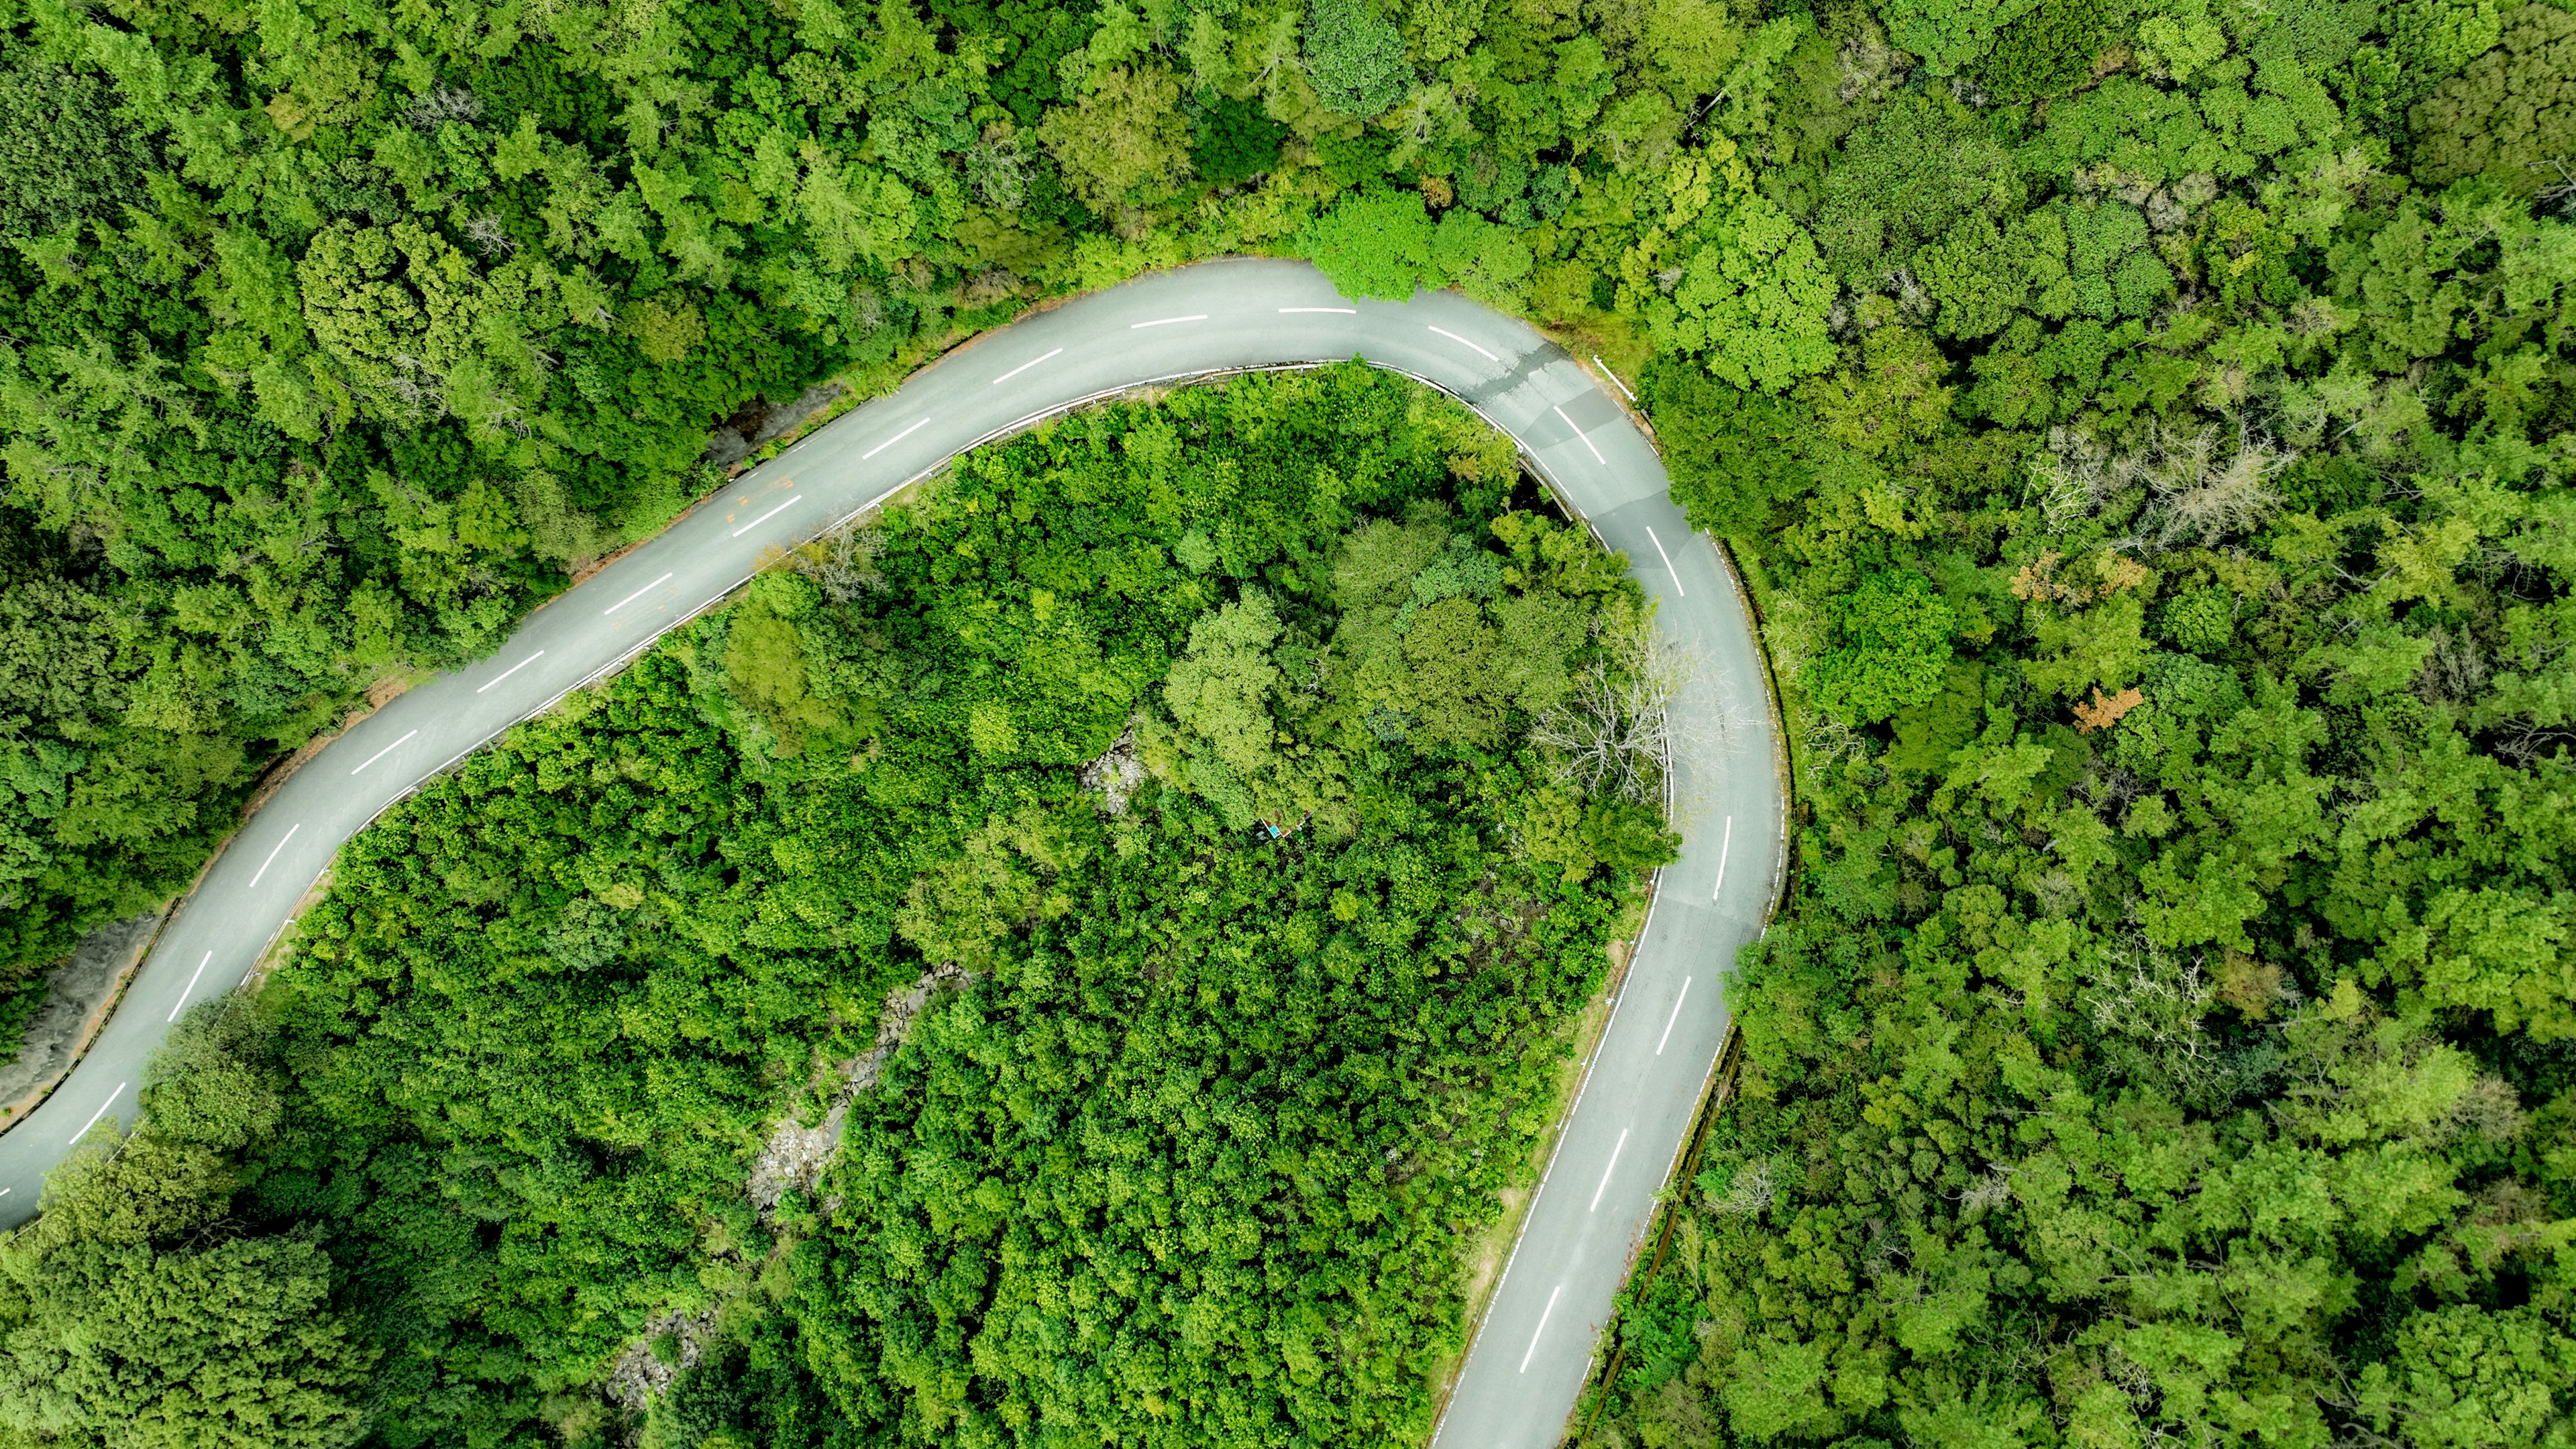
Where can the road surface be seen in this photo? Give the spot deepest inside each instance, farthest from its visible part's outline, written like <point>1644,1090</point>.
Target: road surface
<point>1528,1364</point>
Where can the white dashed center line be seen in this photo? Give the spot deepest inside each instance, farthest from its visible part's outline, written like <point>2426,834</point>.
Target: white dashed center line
<point>1612,1166</point>
<point>1678,998</point>
<point>917,426</point>
<point>387,750</point>
<point>1534,1337</point>
<point>272,855</point>
<point>1723,846</point>
<point>1678,590</point>
<point>513,669</point>
<point>183,995</point>
<point>631,598</point>
<point>1463,342</point>
<point>1025,366</point>
<point>1344,311</point>
<point>764,518</point>
<point>1578,432</point>
<point>1167,321</point>
<point>101,1112</point>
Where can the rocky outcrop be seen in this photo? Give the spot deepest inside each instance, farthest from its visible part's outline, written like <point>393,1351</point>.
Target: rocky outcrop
<point>757,425</point>
<point>669,1347</point>
<point>794,1158</point>
<point>78,992</point>
<point>1116,774</point>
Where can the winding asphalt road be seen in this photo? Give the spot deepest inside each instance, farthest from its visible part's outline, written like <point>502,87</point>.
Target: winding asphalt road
<point>1531,1354</point>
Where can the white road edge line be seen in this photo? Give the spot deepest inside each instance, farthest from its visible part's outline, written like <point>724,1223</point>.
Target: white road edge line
<point>764,518</point>
<point>387,750</point>
<point>272,855</point>
<point>1581,1091</point>
<point>1613,1166</point>
<point>917,426</point>
<point>1723,846</point>
<point>1555,1294</point>
<point>1578,432</point>
<point>1678,998</point>
<point>1463,342</point>
<point>94,1116</point>
<point>1167,321</point>
<point>1614,377</point>
<point>1534,1337</point>
<point>513,669</point>
<point>1025,366</point>
<point>631,598</point>
<point>1678,590</point>
<point>183,994</point>
<point>1344,311</point>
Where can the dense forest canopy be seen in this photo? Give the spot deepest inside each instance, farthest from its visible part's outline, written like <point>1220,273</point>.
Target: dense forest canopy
<point>2141,422</point>
<point>1240,941</point>
<point>2170,570</point>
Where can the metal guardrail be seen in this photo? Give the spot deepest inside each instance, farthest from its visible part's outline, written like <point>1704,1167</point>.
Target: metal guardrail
<point>1721,1090</point>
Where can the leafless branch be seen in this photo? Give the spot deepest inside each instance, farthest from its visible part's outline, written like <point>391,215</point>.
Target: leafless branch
<point>1615,734</point>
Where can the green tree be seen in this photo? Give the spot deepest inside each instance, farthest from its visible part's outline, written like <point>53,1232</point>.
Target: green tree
<point>1125,138</point>
<point>2466,1375</point>
<point>1752,300</point>
<point>69,155</point>
<point>2051,49</point>
<point>1219,691</point>
<point>2511,115</point>
<point>1732,453</point>
<point>1487,262</point>
<point>1909,175</point>
<point>1232,142</point>
<point>1895,635</point>
<point>1896,394</point>
<point>1950,33</point>
<point>1975,276</point>
<point>138,1310</point>
<point>1355,57</point>
<point>235,1345</point>
<point>1373,244</point>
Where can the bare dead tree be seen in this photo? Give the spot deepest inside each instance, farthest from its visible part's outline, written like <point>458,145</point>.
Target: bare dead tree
<point>1989,1191</point>
<point>997,170</point>
<point>2144,993</point>
<point>1752,1190</point>
<point>2455,670</point>
<point>2200,491</point>
<point>2068,479</point>
<point>1615,734</point>
<point>418,387</point>
<point>843,563</point>
<point>447,103</point>
<point>2201,484</point>
<point>488,234</point>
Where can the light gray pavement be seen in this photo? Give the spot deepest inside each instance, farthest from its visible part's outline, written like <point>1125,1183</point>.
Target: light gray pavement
<point>1528,1364</point>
